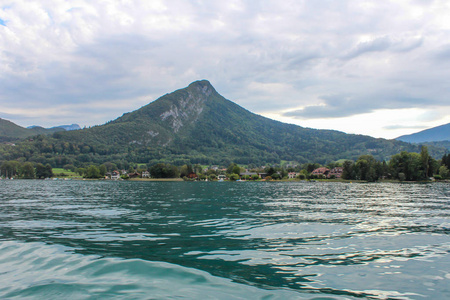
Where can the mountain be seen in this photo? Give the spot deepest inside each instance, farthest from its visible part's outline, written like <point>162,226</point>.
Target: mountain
<point>196,124</point>
<point>65,127</point>
<point>10,131</point>
<point>69,127</point>
<point>435,134</point>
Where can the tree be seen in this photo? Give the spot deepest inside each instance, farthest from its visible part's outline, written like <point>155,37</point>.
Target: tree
<point>234,177</point>
<point>102,170</point>
<point>347,172</point>
<point>44,171</point>
<point>81,171</point>
<point>446,161</point>
<point>162,170</point>
<point>269,171</point>
<point>236,170</point>
<point>28,171</point>
<point>444,172</point>
<point>185,170</point>
<point>276,176</point>
<point>69,167</point>
<point>92,172</point>
<point>110,166</point>
<point>230,168</point>
<point>410,165</point>
<point>367,168</point>
<point>48,170</point>
<point>425,159</point>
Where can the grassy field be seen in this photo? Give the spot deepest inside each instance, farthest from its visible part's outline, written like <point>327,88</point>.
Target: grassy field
<point>59,172</point>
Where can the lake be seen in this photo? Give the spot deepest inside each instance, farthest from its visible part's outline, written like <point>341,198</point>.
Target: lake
<point>223,240</point>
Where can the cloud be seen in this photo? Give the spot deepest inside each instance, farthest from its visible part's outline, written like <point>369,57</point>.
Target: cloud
<point>338,106</point>
<point>384,43</point>
<point>306,59</point>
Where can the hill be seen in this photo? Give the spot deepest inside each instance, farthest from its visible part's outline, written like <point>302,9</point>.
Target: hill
<point>435,134</point>
<point>11,132</point>
<point>196,124</point>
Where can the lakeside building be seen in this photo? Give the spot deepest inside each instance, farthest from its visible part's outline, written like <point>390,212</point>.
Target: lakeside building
<point>292,175</point>
<point>336,172</point>
<point>115,175</point>
<point>320,172</point>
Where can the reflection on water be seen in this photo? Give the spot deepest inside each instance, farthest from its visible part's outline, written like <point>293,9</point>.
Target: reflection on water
<point>310,239</point>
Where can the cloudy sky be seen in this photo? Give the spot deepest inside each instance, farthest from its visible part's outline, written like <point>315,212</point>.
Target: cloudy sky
<point>380,68</point>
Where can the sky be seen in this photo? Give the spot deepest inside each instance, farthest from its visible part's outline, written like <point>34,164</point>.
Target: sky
<point>378,68</point>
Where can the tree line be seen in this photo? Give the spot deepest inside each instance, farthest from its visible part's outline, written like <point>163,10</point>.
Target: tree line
<point>25,170</point>
<point>404,166</point>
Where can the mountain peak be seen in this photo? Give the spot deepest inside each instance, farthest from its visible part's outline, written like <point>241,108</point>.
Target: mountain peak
<point>202,87</point>
<point>201,83</point>
<point>188,105</point>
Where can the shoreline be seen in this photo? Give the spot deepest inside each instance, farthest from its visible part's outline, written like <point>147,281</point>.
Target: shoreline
<point>238,181</point>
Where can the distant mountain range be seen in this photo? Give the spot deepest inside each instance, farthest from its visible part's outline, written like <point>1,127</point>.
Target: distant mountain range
<point>435,134</point>
<point>10,131</point>
<point>197,125</point>
<point>65,127</point>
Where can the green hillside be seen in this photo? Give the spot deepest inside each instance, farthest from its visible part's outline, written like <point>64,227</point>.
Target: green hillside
<point>11,132</point>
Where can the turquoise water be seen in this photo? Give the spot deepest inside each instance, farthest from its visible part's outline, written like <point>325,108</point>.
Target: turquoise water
<point>223,240</point>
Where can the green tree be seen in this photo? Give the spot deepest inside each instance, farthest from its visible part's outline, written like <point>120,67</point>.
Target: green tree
<point>44,171</point>
<point>92,172</point>
<point>81,171</point>
<point>276,176</point>
<point>348,172</point>
<point>69,167</point>
<point>234,177</point>
<point>48,170</point>
<point>162,170</point>
<point>185,170</point>
<point>410,165</point>
<point>255,177</point>
<point>28,171</point>
<point>236,170</point>
<point>102,169</point>
<point>444,171</point>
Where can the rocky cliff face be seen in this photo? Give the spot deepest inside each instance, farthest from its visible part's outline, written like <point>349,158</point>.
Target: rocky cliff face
<point>189,106</point>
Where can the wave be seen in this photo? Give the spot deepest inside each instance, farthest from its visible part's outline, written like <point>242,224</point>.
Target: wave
<point>37,270</point>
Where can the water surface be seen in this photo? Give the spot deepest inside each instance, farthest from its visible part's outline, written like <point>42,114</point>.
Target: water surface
<point>224,240</point>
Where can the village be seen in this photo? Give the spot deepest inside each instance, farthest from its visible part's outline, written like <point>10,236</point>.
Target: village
<point>215,173</point>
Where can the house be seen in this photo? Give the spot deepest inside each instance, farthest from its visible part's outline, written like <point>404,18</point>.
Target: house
<point>115,175</point>
<point>146,174</point>
<point>221,177</point>
<point>292,175</point>
<point>192,176</point>
<point>336,172</point>
<point>262,175</point>
<point>321,172</point>
<point>247,174</point>
<point>134,175</point>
